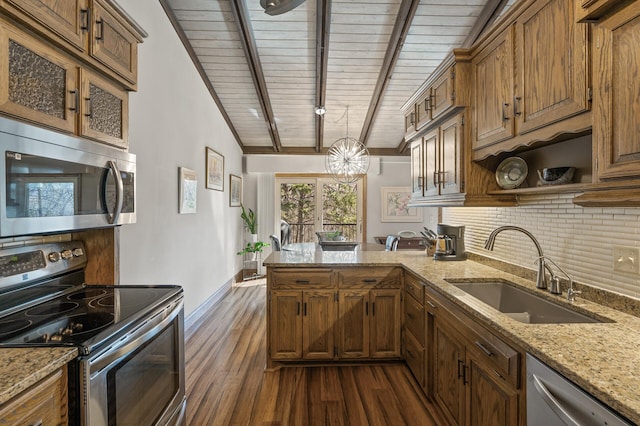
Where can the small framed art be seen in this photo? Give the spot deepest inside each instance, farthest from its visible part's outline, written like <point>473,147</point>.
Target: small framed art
<point>215,170</point>
<point>395,205</point>
<point>187,190</point>
<point>235,190</point>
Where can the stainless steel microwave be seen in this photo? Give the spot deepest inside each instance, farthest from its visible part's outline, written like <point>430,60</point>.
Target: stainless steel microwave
<point>52,182</point>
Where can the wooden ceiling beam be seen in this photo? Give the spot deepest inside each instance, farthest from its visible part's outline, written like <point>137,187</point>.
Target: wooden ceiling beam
<point>203,74</point>
<point>241,17</point>
<point>383,152</point>
<point>400,30</point>
<point>489,13</point>
<point>323,24</point>
<point>403,146</point>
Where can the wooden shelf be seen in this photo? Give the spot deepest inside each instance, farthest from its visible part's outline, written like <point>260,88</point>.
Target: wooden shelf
<point>548,189</point>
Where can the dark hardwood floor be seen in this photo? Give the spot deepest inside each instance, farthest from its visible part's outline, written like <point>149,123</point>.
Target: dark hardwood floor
<point>227,384</point>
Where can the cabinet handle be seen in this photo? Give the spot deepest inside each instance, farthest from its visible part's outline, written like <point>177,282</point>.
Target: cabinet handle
<point>366,308</point>
<point>504,111</point>
<point>370,280</point>
<point>412,118</point>
<point>84,13</point>
<point>460,368</point>
<point>373,308</point>
<point>430,303</point>
<point>436,182</point>
<point>76,100</point>
<point>302,281</point>
<point>516,99</point>
<point>426,103</point>
<point>298,309</point>
<point>484,349</point>
<point>420,182</point>
<point>100,34</point>
<point>87,104</point>
<point>411,315</point>
<point>432,102</point>
<point>304,309</point>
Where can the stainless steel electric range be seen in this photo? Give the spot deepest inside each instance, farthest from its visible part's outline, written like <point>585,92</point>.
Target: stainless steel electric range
<point>130,339</point>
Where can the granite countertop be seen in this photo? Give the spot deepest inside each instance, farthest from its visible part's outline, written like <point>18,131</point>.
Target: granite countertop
<point>603,358</point>
<point>21,368</point>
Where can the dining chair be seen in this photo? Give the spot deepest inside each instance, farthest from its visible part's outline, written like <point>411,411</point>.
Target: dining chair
<point>275,243</point>
<point>391,243</point>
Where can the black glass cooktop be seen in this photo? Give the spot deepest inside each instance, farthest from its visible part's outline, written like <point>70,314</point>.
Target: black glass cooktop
<point>84,316</point>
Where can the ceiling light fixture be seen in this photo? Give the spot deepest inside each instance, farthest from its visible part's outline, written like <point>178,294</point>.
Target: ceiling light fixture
<point>320,110</point>
<point>277,7</point>
<point>347,159</point>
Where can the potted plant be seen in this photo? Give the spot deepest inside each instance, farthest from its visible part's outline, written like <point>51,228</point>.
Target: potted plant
<point>253,248</point>
<point>250,221</point>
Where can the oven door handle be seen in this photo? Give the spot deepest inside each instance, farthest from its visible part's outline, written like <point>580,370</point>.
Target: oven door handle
<point>112,217</point>
<point>137,337</point>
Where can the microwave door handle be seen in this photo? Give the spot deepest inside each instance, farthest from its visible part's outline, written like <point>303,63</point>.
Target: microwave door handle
<point>112,217</point>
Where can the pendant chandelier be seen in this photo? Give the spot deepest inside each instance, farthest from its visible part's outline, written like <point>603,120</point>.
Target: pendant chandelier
<point>347,159</point>
<point>277,7</point>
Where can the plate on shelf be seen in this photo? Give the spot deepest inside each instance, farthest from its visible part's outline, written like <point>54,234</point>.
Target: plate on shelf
<point>511,173</point>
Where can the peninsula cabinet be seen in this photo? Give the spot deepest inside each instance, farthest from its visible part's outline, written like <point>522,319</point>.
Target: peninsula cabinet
<point>476,376</point>
<point>45,403</point>
<point>531,79</point>
<point>92,30</point>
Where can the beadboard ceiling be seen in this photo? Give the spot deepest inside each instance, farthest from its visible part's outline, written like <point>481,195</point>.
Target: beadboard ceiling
<point>367,57</point>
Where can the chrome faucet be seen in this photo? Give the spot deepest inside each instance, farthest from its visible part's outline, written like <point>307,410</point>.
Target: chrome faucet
<point>541,279</point>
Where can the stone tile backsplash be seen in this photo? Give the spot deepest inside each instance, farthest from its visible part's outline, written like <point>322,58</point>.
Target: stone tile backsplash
<point>579,239</point>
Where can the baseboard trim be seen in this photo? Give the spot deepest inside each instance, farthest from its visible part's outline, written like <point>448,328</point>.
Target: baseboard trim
<point>192,321</point>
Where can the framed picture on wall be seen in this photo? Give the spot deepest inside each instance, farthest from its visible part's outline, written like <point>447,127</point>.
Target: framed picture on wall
<point>187,190</point>
<point>235,190</point>
<point>395,205</point>
<point>215,170</point>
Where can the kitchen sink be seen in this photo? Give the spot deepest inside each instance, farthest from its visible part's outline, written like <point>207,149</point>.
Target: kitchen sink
<point>520,304</point>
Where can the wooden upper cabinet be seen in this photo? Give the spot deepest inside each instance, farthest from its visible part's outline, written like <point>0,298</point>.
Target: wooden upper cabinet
<point>592,10</point>
<point>431,163</point>
<point>552,56</point>
<point>423,109</point>
<point>450,156</point>
<point>410,123</point>
<point>443,93</point>
<point>68,19</point>
<point>616,127</point>
<point>104,110</point>
<point>417,177</point>
<point>37,83</point>
<point>113,44</point>
<point>493,81</point>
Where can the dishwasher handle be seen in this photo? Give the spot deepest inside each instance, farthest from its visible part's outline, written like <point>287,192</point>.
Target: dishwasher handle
<point>553,403</point>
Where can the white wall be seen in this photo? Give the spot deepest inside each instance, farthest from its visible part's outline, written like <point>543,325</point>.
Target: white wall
<point>383,171</point>
<point>579,239</point>
<point>172,119</point>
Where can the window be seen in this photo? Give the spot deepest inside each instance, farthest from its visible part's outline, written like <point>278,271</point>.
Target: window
<point>310,204</point>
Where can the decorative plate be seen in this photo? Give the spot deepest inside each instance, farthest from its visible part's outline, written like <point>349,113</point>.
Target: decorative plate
<point>511,173</point>
<point>406,234</point>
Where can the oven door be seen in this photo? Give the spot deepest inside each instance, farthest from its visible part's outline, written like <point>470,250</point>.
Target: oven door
<point>139,380</point>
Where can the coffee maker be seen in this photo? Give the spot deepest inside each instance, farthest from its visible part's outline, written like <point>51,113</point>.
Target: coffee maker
<point>449,243</point>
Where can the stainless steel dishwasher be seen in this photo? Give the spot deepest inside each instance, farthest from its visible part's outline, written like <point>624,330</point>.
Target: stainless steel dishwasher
<point>552,400</point>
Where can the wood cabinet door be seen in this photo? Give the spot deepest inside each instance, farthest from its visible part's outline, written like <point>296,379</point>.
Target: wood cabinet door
<point>552,53</point>
<point>45,403</point>
<point>112,43</point>
<point>104,110</point>
<point>423,109</point>
<point>319,317</point>
<point>37,83</point>
<point>431,165</point>
<point>448,371</point>
<point>385,323</point>
<point>353,307</point>
<point>442,93</point>
<point>491,402</point>
<point>285,326</point>
<point>493,80</point>
<point>68,19</point>
<point>616,127</point>
<point>451,156</point>
<point>410,122</point>
<point>417,178</point>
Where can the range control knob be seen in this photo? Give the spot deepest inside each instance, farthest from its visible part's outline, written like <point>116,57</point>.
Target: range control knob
<point>77,252</point>
<point>66,254</point>
<point>54,256</point>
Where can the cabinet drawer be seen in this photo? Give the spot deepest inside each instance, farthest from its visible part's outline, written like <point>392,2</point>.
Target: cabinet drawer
<point>375,277</point>
<point>414,287</point>
<point>496,355</point>
<point>414,318</point>
<point>302,278</point>
<point>414,355</point>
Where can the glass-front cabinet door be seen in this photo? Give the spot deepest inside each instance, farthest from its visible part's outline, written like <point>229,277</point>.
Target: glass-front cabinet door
<point>36,82</point>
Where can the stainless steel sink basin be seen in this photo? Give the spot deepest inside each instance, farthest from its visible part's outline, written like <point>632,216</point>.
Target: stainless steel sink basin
<point>521,305</point>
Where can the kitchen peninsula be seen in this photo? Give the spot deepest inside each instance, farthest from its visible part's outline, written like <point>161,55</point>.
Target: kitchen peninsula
<point>601,357</point>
